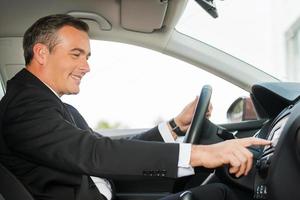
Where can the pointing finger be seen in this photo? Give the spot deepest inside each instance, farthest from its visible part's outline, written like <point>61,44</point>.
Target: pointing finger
<point>246,142</point>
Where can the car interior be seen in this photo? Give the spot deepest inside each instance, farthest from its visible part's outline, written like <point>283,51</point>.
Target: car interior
<point>151,24</point>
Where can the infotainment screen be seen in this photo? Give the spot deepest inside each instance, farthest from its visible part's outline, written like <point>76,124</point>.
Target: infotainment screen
<point>276,130</point>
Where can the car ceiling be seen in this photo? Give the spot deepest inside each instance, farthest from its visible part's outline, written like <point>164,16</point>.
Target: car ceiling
<point>17,16</point>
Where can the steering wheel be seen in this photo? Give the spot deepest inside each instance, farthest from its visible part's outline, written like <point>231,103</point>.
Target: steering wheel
<point>196,128</point>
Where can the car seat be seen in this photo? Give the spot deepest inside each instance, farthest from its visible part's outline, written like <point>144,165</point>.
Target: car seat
<point>11,188</point>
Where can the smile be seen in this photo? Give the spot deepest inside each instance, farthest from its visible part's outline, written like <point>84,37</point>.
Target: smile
<point>76,77</point>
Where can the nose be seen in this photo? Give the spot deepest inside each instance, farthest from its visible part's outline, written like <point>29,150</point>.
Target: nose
<point>85,67</point>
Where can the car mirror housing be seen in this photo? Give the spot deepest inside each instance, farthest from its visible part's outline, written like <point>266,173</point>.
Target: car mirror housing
<point>242,109</point>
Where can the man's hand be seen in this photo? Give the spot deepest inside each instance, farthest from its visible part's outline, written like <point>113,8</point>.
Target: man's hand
<point>184,119</point>
<point>209,111</point>
<point>231,152</point>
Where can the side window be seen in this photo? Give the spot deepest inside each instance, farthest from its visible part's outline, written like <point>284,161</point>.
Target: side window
<point>134,87</point>
<point>293,51</point>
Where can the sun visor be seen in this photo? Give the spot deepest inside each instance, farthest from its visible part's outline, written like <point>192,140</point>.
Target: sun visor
<point>143,15</point>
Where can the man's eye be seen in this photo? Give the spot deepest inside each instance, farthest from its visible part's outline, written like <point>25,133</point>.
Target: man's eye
<point>75,55</point>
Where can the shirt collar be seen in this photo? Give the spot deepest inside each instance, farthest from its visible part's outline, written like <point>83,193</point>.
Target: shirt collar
<point>52,90</point>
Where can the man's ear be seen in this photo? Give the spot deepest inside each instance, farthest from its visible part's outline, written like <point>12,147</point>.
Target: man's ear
<point>40,53</point>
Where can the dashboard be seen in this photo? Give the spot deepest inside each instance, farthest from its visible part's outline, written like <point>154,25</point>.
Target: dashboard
<point>264,161</point>
<point>275,174</point>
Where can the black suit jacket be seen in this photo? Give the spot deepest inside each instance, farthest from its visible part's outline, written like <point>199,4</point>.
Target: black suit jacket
<point>50,154</point>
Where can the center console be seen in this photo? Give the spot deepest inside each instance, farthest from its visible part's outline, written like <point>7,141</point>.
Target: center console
<point>264,161</point>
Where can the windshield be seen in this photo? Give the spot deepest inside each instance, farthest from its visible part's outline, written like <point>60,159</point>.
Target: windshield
<point>251,30</point>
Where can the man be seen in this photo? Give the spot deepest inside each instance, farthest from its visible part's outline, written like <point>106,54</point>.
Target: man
<point>53,155</point>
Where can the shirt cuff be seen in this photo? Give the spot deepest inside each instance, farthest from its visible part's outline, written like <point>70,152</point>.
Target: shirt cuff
<point>165,133</point>
<point>184,167</point>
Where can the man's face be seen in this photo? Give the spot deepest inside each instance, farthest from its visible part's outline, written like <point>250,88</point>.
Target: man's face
<point>67,63</point>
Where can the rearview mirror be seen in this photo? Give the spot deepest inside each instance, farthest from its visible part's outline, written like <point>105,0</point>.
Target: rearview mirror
<point>242,109</point>
<point>209,6</point>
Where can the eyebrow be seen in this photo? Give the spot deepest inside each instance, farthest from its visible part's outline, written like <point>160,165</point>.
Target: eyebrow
<point>81,51</point>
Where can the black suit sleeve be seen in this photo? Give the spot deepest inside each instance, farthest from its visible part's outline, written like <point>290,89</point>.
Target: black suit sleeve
<point>149,135</point>
<point>37,129</point>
